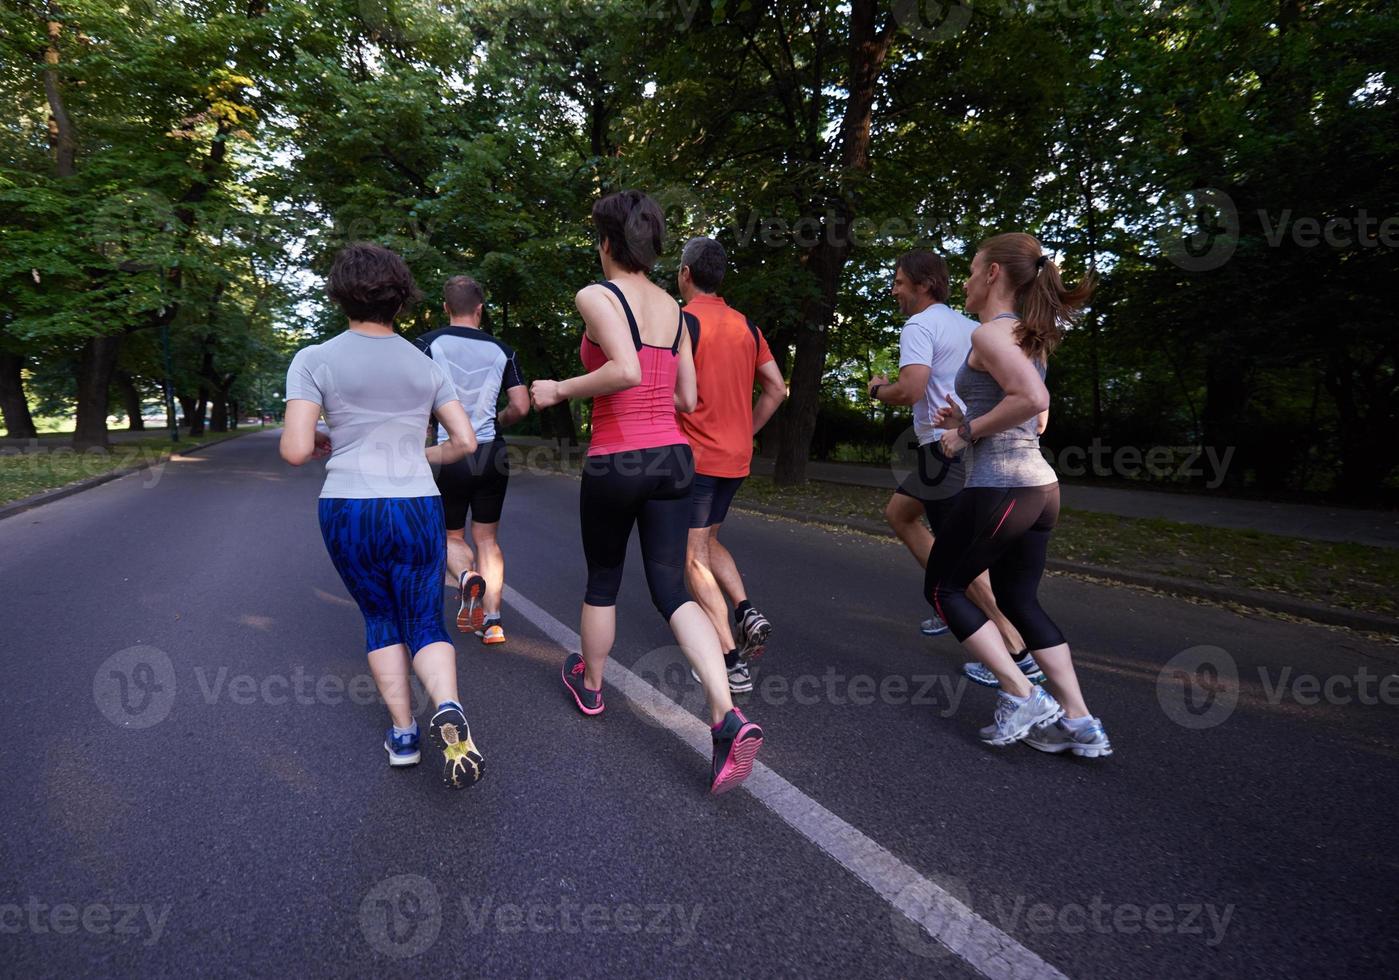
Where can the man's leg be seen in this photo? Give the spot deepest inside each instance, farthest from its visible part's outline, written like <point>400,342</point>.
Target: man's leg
<point>721,564</point>
<point>459,556</point>
<point>703,586</point>
<point>490,563</point>
<point>980,593</point>
<point>905,516</point>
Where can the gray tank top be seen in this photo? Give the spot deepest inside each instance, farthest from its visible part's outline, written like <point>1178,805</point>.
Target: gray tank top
<point>1007,459</point>
<point>376,394</point>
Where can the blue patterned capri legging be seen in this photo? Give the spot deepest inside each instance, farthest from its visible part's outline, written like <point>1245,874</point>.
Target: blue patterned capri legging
<point>391,553</point>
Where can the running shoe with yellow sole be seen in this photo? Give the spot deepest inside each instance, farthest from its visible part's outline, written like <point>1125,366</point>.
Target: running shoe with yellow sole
<point>492,634</point>
<point>462,765</point>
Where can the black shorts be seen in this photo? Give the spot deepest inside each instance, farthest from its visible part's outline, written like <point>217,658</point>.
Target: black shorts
<point>710,499</point>
<point>935,481</point>
<point>475,484</point>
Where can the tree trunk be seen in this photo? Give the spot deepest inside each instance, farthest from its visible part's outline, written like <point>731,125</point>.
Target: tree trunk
<point>131,401</point>
<point>869,46</point>
<point>19,424</point>
<point>194,407</point>
<point>97,363</point>
<point>219,421</point>
<point>233,414</point>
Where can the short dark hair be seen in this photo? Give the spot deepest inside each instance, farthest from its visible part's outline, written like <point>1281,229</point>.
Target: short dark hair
<point>924,267</point>
<point>463,295</point>
<point>706,259</point>
<point>632,224</point>
<point>370,283</point>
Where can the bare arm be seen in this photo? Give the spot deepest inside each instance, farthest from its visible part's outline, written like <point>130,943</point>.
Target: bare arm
<point>1025,394</point>
<point>1043,421</point>
<point>774,393</point>
<point>607,327</point>
<point>461,437</point>
<point>516,408</point>
<point>912,383</point>
<point>686,387</point>
<point>299,431</point>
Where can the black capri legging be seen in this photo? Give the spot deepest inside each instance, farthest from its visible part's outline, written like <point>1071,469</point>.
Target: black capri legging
<point>651,489</point>
<point>1005,529</point>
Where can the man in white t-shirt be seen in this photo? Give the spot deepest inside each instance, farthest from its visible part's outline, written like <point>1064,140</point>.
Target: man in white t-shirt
<point>932,348</point>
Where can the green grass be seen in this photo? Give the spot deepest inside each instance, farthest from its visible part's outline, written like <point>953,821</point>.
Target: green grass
<point>1343,575</point>
<point>55,464</point>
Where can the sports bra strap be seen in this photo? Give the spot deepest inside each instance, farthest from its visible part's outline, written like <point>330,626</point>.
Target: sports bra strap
<point>631,320</point>
<point>679,332</point>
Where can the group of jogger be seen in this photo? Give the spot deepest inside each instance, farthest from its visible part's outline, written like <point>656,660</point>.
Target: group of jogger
<point>415,450</point>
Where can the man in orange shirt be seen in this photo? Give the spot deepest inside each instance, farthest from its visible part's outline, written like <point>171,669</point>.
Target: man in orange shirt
<point>730,355</point>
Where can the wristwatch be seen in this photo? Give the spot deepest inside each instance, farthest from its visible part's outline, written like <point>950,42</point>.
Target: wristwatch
<point>965,431</point>
<point>874,392</point>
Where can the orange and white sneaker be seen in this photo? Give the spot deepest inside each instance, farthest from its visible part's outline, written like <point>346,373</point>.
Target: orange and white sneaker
<point>493,633</point>
<point>472,614</point>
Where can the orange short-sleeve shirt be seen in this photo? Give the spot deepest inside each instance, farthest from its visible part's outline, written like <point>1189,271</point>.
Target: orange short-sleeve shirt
<point>728,352</point>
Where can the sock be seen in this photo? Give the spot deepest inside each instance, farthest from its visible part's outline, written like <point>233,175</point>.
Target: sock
<point>1007,694</point>
<point>1078,724</point>
<point>731,659</point>
<point>412,730</point>
<point>740,609</point>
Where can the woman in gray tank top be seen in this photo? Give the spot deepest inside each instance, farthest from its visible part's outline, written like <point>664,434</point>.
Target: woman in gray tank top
<point>1003,519</point>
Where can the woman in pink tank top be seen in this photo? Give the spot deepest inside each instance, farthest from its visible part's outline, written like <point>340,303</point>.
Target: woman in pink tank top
<point>640,469</point>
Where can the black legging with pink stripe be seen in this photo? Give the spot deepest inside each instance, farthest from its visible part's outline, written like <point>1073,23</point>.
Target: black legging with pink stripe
<point>1005,529</point>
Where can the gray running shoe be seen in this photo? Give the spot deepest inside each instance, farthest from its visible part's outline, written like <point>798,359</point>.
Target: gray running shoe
<point>1014,719</point>
<point>933,626</point>
<point>1090,741</point>
<point>978,673</point>
<point>755,630</point>
<point>740,678</point>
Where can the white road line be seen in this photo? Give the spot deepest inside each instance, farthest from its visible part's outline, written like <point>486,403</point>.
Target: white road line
<point>945,917</point>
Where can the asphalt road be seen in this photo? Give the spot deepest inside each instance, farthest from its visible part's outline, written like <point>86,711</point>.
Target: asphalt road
<point>193,778</point>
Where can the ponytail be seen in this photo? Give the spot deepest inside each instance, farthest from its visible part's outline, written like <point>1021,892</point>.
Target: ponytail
<point>1045,305</point>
